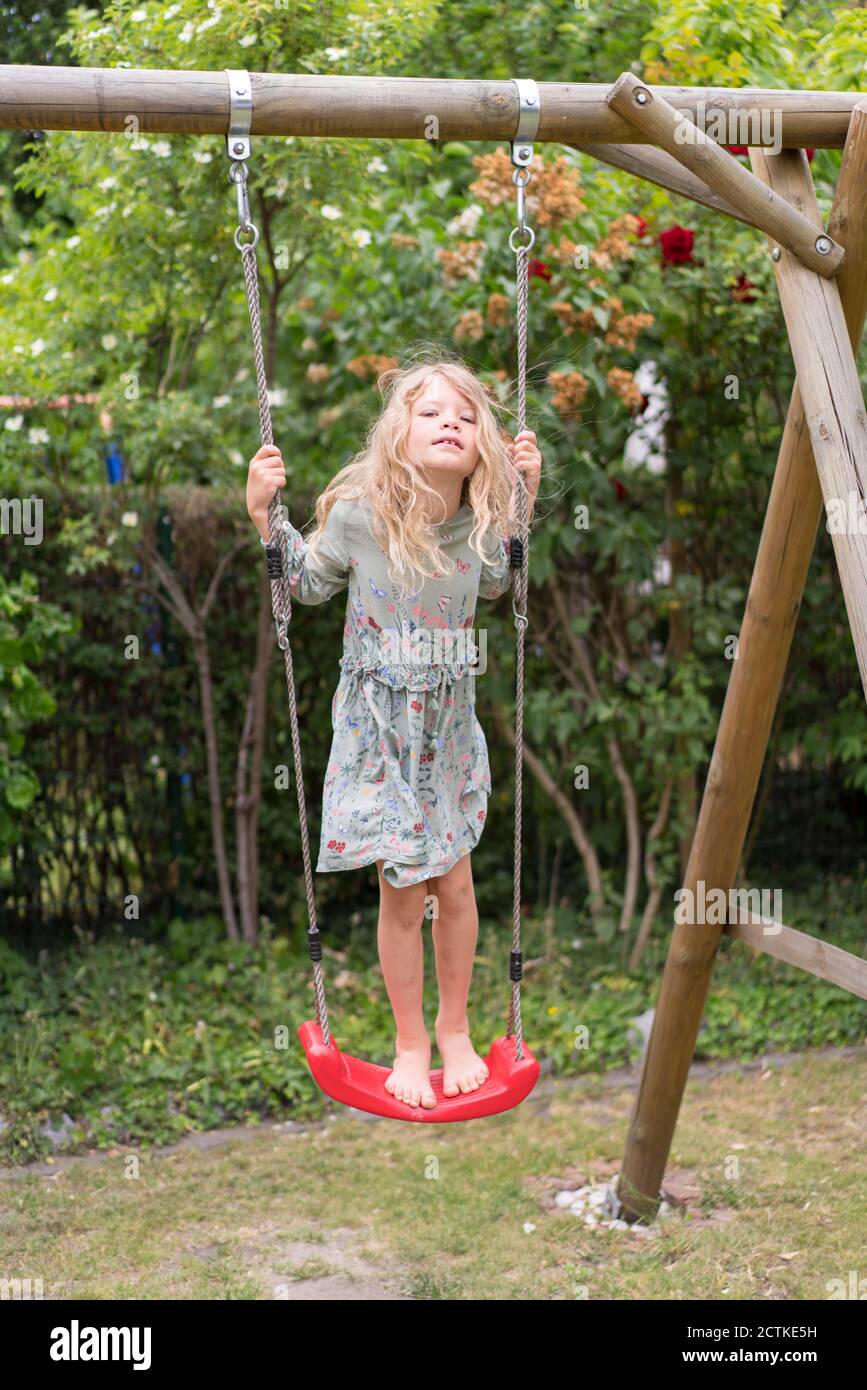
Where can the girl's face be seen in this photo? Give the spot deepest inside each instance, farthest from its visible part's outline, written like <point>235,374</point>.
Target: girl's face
<point>442,435</point>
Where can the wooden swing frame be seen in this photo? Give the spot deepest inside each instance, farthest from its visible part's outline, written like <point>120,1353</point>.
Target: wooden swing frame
<point>821,276</point>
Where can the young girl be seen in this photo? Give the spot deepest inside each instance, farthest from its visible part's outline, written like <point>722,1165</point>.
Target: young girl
<point>416,526</point>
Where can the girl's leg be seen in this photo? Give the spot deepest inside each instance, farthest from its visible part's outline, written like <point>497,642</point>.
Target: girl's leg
<point>401,954</point>
<point>455,932</point>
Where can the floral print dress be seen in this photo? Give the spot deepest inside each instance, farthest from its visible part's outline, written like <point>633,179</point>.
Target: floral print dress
<point>408,776</point>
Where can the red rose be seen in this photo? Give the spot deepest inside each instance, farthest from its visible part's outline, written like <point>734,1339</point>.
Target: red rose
<point>539,268</point>
<point>620,490</point>
<point>676,245</point>
<point>641,229</point>
<point>741,288</point>
<point>810,154</point>
<point>736,149</point>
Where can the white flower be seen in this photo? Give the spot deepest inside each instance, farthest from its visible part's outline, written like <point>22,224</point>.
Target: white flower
<point>129,519</point>
<point>278,396</point>
<point>466,221</point>
<point>18,348</point>
<point>107,183</point>
<point>186,33</point>
<point>242,373</point>
<point>162,148</point>
<point>377,166</point>
<point>127,210</point>
<point>219,401</point>
<point>332,54</point>
<point>309,344</point>
<point>528,1227</point>
<point>13,422</point>
<point>236,456</point>
<point>105,210</point>
<point>73,241</point>
<point>202,156</point>
<point>247,40</point>
<point>108,341</point>
<point>137,16</point>
<point>38,345</point>
<point>50,294</point>
<point>362,236</point>
<point>208,23</point>
<point>7,278</point>
<point>171,11</point>
<point>38,435</point>
<point>330,212</point>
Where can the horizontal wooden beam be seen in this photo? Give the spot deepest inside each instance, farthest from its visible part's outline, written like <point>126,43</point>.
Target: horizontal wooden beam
<point>706,160</point>
<point>818,958</point>
<point>35,97</point>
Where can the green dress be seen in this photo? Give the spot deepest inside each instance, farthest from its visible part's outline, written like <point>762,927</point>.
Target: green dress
<point>408,776</point>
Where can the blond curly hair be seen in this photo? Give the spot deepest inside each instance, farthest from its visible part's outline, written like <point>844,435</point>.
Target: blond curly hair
<point>386,477</point>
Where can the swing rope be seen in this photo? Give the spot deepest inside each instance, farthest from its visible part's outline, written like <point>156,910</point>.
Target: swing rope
<point>238,152</point>
<point>522,155</point>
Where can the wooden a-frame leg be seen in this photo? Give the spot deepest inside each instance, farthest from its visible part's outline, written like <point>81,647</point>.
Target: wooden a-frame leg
<point>782,562</point>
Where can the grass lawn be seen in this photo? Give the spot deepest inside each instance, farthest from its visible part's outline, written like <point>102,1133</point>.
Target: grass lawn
<point>770,1161</point>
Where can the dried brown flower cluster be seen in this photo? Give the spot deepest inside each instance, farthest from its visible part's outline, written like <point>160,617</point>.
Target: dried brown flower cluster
<point>403,241</point>
<point>462,264</point>
<point>469,325</point>
<point>623,329</point>
<point>370,364</point>
<point>569,389</point>
<point>623,384</point>
<point>553,193</point>
<point>571,318</point>
<point>498,311</point>
<point>563,253</point>
<point>614,246</point>
<point>318,371</point>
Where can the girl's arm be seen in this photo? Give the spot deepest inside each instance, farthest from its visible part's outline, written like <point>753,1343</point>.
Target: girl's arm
<point>496,575</point>
<point>316,571</point>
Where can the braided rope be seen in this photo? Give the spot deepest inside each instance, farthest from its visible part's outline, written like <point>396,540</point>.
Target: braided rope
<point>519,608</point>
<point>282,609</point>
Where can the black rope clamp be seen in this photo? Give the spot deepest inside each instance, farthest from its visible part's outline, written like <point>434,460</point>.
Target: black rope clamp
<point>515,971</point>
<point>314,945</point>
<point>274,561</point>
<point>516,552</point>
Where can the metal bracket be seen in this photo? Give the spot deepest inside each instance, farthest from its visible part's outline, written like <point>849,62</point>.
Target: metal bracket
<point>528,121</point>
<point>240,113</point>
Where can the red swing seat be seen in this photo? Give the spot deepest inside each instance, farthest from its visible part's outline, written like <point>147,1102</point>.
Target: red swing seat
<point>362,1084</point>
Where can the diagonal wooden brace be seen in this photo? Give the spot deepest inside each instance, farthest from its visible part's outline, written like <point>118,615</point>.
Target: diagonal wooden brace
<point>647,162</point>
<point>759,205</point>
<point>832,396</point>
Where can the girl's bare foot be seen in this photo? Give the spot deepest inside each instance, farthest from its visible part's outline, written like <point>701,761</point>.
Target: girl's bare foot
<point>463,1068</point>
<point>409,1079</point>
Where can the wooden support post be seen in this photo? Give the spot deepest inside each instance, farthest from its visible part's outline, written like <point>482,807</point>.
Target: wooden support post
<point>783,558</point>
<point>690,146</point>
